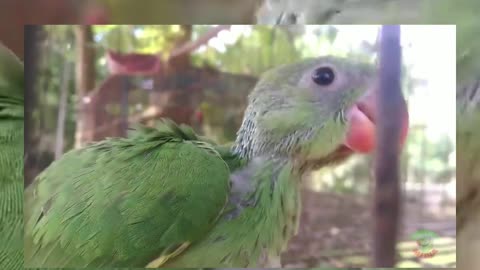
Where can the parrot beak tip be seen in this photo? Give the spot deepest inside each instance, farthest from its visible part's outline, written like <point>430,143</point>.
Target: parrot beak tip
<point>361,118</point>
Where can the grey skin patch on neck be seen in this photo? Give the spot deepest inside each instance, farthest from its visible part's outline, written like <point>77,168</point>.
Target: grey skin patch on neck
<point>244,183</point>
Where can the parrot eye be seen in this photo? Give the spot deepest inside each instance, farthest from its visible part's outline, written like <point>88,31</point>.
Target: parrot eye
<point>323,76</point>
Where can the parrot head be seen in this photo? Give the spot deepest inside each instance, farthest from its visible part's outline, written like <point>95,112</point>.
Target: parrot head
<point>318,110</point>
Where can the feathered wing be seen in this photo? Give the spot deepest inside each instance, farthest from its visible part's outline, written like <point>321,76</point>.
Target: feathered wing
<point>132,202</point>
<point>11,161</point>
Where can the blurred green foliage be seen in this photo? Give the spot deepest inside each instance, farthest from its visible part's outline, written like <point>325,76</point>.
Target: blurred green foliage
<point>249,51</point>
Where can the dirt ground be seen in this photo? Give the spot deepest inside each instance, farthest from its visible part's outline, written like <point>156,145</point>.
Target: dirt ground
<point>334,226</point>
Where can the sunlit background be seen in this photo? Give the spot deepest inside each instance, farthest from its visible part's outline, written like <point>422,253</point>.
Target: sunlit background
<point>427,52</point>
<point>96,81</point>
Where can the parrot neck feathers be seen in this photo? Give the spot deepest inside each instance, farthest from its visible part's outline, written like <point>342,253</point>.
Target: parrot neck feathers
<point>253,141</point>
<point>248,180</point>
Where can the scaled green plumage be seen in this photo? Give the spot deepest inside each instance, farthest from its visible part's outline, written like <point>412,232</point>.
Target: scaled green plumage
<point>11,160</point>
<point>134,209</point>
<point>167,197</point>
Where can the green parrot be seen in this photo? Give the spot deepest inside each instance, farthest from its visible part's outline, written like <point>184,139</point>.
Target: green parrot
<point>464,13</point>
<point>166,197</point>
<point>468,132</point>
<point>11,161</point>
<point>468,174</point>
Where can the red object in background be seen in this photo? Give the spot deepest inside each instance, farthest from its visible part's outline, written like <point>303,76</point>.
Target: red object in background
<point>198,116</point>
<point>133,63</point>
<point>95,14</point>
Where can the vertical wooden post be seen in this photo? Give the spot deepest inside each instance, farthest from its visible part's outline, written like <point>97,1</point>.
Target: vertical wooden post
<point>124,111</point>
<point>30,69</point>
<point>84,82</point>
<point>387,170</point>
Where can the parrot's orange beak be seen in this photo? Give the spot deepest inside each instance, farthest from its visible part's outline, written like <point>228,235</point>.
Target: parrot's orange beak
<point>361,124</point>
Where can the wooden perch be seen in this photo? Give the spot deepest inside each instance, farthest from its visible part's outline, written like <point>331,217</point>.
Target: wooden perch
<point>387,170</point>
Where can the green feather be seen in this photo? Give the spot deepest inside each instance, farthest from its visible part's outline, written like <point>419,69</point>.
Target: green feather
<point>125,201</point>
<point>11,161</point>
